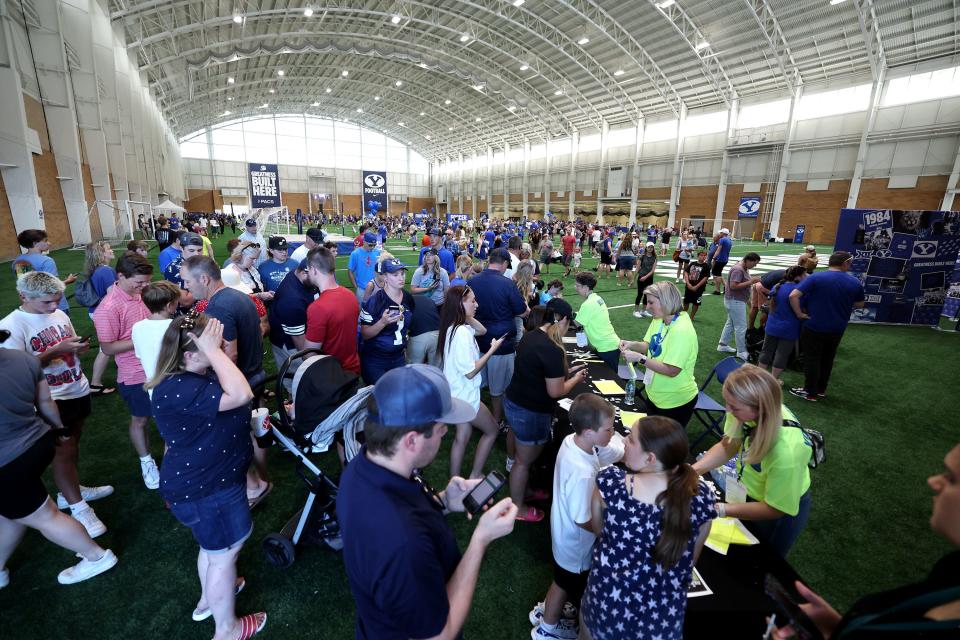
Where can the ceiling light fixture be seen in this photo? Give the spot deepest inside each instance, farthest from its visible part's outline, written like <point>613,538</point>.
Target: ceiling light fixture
<point>315,104</point>
<point>524,66</point>
<point>398,83</point>
<point>666,3</point>
<point>447,101</point>
<point>427,137</point>
<point>359,110</point>
<point>836,2</point>
<point>400,124</point>
<point>517,3</point>
<point>376,98</point>
<point>308,12</point>
<point>423,113</point>
<point>464,38</point>
<point>231,80</point>
<point>344,73</point>
<point>512,108</point>
<point>264,105</point>
<point>225,113</point>
<point>327,90</point>
<point>395,19</point>
<point>273,90</point>
<point>229,98</point>
<point>477,119</point>
<point>558,92</point>
<point>618,72</point>
<point>237,18</point>
<point>703,44</point>
<point>583,40</point>
<point>280,72</point>
<point>449,128</point>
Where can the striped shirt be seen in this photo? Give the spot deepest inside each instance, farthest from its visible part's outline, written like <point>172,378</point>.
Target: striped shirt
<point>114,320</point>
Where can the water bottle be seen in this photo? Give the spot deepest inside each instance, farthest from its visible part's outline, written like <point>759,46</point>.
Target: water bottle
<point>631,390</point>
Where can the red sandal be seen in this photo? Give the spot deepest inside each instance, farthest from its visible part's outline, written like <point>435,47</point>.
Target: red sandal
<point>531,514</point>
<point>252,624</point>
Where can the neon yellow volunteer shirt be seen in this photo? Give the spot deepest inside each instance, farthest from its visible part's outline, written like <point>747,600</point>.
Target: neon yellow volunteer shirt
<point>679,350</point>
<point>595,318</point>
<point>783,476</point>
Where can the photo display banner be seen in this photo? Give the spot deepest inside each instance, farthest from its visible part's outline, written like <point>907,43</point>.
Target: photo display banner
<point>374,192</point>
<point>906,260</point>
<point>264,186</point>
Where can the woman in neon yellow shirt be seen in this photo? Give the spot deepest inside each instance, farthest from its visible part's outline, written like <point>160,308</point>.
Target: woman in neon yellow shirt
<point>773,478</point>
<point>594,317</point>
<point>669,353</point>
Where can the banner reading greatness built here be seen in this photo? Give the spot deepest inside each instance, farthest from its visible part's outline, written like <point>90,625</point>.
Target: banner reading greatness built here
<point>264,185</point>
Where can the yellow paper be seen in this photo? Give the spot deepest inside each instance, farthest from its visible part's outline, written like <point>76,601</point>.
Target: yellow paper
<point>724,532</point>
<point>609,387</point>
<point>627,418</point>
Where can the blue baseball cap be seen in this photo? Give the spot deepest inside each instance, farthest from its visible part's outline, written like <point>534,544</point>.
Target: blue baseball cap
<point>390,265</point>
<point>370,237</point>
<point>417,394</point>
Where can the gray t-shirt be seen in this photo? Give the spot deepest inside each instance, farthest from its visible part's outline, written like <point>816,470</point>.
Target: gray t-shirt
<point>20,426</point>
<point>737,275</point>
<point>421,279</point>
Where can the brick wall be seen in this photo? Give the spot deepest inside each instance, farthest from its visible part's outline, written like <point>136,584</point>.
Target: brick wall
<point>293,201</point>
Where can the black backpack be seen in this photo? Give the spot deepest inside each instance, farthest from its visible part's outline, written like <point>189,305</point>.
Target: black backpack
<point>814,440</point>
<point>84,292</point>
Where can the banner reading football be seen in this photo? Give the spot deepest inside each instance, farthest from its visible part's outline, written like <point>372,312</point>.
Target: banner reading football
<point>374,192</point>
<point>264,186</point>
<point>906,261</point>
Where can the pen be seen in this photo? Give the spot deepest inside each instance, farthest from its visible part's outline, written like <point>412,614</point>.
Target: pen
<point>770,627</point>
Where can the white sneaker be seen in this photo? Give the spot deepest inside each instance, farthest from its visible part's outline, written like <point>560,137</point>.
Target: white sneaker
<point>565,630</point>
<point>87,493</point>
<point>150,473</point>
<point>637,314</point>
<point>744,356</point>
<point>678,279</point>
<point>90,522</point>
<point>509,464</point>
<point>723,348</point>
<point>86,569</point>
<point>536,614</point>
<point>4,578</point>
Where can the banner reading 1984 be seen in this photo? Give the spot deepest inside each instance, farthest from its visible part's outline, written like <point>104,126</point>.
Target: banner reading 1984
<point>264,186</point>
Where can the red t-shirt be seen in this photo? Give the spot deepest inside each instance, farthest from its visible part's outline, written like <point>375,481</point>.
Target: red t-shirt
<point>568,242</point>
<point>332,321</point>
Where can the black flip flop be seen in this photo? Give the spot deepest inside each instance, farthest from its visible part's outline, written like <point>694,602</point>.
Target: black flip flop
<point>101,390</point>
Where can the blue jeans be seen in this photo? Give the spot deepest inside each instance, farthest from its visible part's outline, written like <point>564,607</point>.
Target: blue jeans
<point>373,366</point>
<point>736,325</point>
<point>781,533</point>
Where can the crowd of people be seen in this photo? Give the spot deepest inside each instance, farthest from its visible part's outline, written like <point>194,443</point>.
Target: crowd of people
<point>629,513</point>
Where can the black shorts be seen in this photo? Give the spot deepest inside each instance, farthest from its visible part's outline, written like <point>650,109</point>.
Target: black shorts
<point>606,258</point>
<point>692,297</point>
<point>717,269</point>
<point>574,584</point>
<point>73,412</point>
<point>21,485</point>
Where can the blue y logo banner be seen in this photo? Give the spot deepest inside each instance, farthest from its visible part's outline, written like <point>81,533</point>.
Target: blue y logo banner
<point>375,192</point>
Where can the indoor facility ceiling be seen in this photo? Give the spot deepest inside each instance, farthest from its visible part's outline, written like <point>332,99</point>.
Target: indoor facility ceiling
<point>464,75</point>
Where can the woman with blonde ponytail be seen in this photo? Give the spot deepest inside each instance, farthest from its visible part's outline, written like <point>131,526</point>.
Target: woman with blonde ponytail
<point>772,489</point>
<point>652,521</point>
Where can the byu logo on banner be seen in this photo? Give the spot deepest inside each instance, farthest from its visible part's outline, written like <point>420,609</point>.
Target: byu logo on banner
<point>925,248</point>
<point>749,207</point>
<point>373,181</point>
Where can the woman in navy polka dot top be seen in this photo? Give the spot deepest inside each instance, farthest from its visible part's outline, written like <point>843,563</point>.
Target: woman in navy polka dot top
<point>652,522</point>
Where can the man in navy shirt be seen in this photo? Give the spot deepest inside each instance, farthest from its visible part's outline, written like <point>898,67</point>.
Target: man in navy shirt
<point>719,259</point>
<point>499,303</point>
<point>288,314</point>
<point>274,270</point>
<point>829,297</point>
<point>402,562</point>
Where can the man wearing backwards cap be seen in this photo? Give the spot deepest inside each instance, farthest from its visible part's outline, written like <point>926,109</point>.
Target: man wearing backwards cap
<point>313,239</point>
<point>252,235</point>
<point>362,262</point>
<point>405,571</point>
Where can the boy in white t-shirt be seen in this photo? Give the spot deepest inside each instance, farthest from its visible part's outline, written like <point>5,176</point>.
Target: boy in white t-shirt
<point>592,446</point>
<point>161,298</point>
<point>41,329</point>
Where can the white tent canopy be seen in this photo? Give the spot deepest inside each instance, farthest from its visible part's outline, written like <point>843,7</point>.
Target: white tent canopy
<point>167,205</point>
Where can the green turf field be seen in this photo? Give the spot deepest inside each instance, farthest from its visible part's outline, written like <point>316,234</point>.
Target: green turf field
<point>888,422</point>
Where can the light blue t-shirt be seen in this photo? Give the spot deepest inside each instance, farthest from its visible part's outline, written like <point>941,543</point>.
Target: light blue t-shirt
<point>27,262</point>
<point>272,273</point>
<point>362,264</point>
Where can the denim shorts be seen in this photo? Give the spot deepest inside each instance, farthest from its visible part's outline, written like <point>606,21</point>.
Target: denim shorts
<point>219,522</point>
<point>626,263</point>
<point>497,374</point>
<point>529,427</point>
<point>136,398</point>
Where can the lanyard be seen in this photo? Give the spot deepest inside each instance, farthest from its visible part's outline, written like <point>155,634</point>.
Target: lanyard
<point>656,341</point>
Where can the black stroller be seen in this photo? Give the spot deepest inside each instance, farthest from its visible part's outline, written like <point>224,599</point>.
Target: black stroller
<point>325,399</point>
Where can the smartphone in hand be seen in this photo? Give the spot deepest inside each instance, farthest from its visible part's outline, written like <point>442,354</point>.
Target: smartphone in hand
<point>803,626</point>
<point>483,493</point>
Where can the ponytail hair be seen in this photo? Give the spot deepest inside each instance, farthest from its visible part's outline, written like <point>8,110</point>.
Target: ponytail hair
<point>667,440</point>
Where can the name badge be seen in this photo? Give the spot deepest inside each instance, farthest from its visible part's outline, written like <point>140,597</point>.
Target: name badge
<point>736,491</point>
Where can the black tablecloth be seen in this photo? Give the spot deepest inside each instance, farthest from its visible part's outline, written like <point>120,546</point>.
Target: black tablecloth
<point>738,601</point>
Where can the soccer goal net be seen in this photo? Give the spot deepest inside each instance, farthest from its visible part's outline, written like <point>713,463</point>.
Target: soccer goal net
<point>275,221</point>
<point>710,229</point>
<point>117,220</point>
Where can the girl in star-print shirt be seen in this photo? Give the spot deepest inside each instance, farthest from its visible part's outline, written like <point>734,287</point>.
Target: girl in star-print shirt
<point>652,522</point>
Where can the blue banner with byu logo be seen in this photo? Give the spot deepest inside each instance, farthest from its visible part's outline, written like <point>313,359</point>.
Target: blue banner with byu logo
<point>906,260</point>
<point>749,207</point>
<point>374,192</point>
<point>264,185</point>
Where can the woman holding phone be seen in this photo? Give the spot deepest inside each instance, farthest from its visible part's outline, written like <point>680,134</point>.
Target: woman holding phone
<point>462,363</point>
<point>541,376</point>
<point>431,279</point>
<point>205,422</point>
<point>385,323</point>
